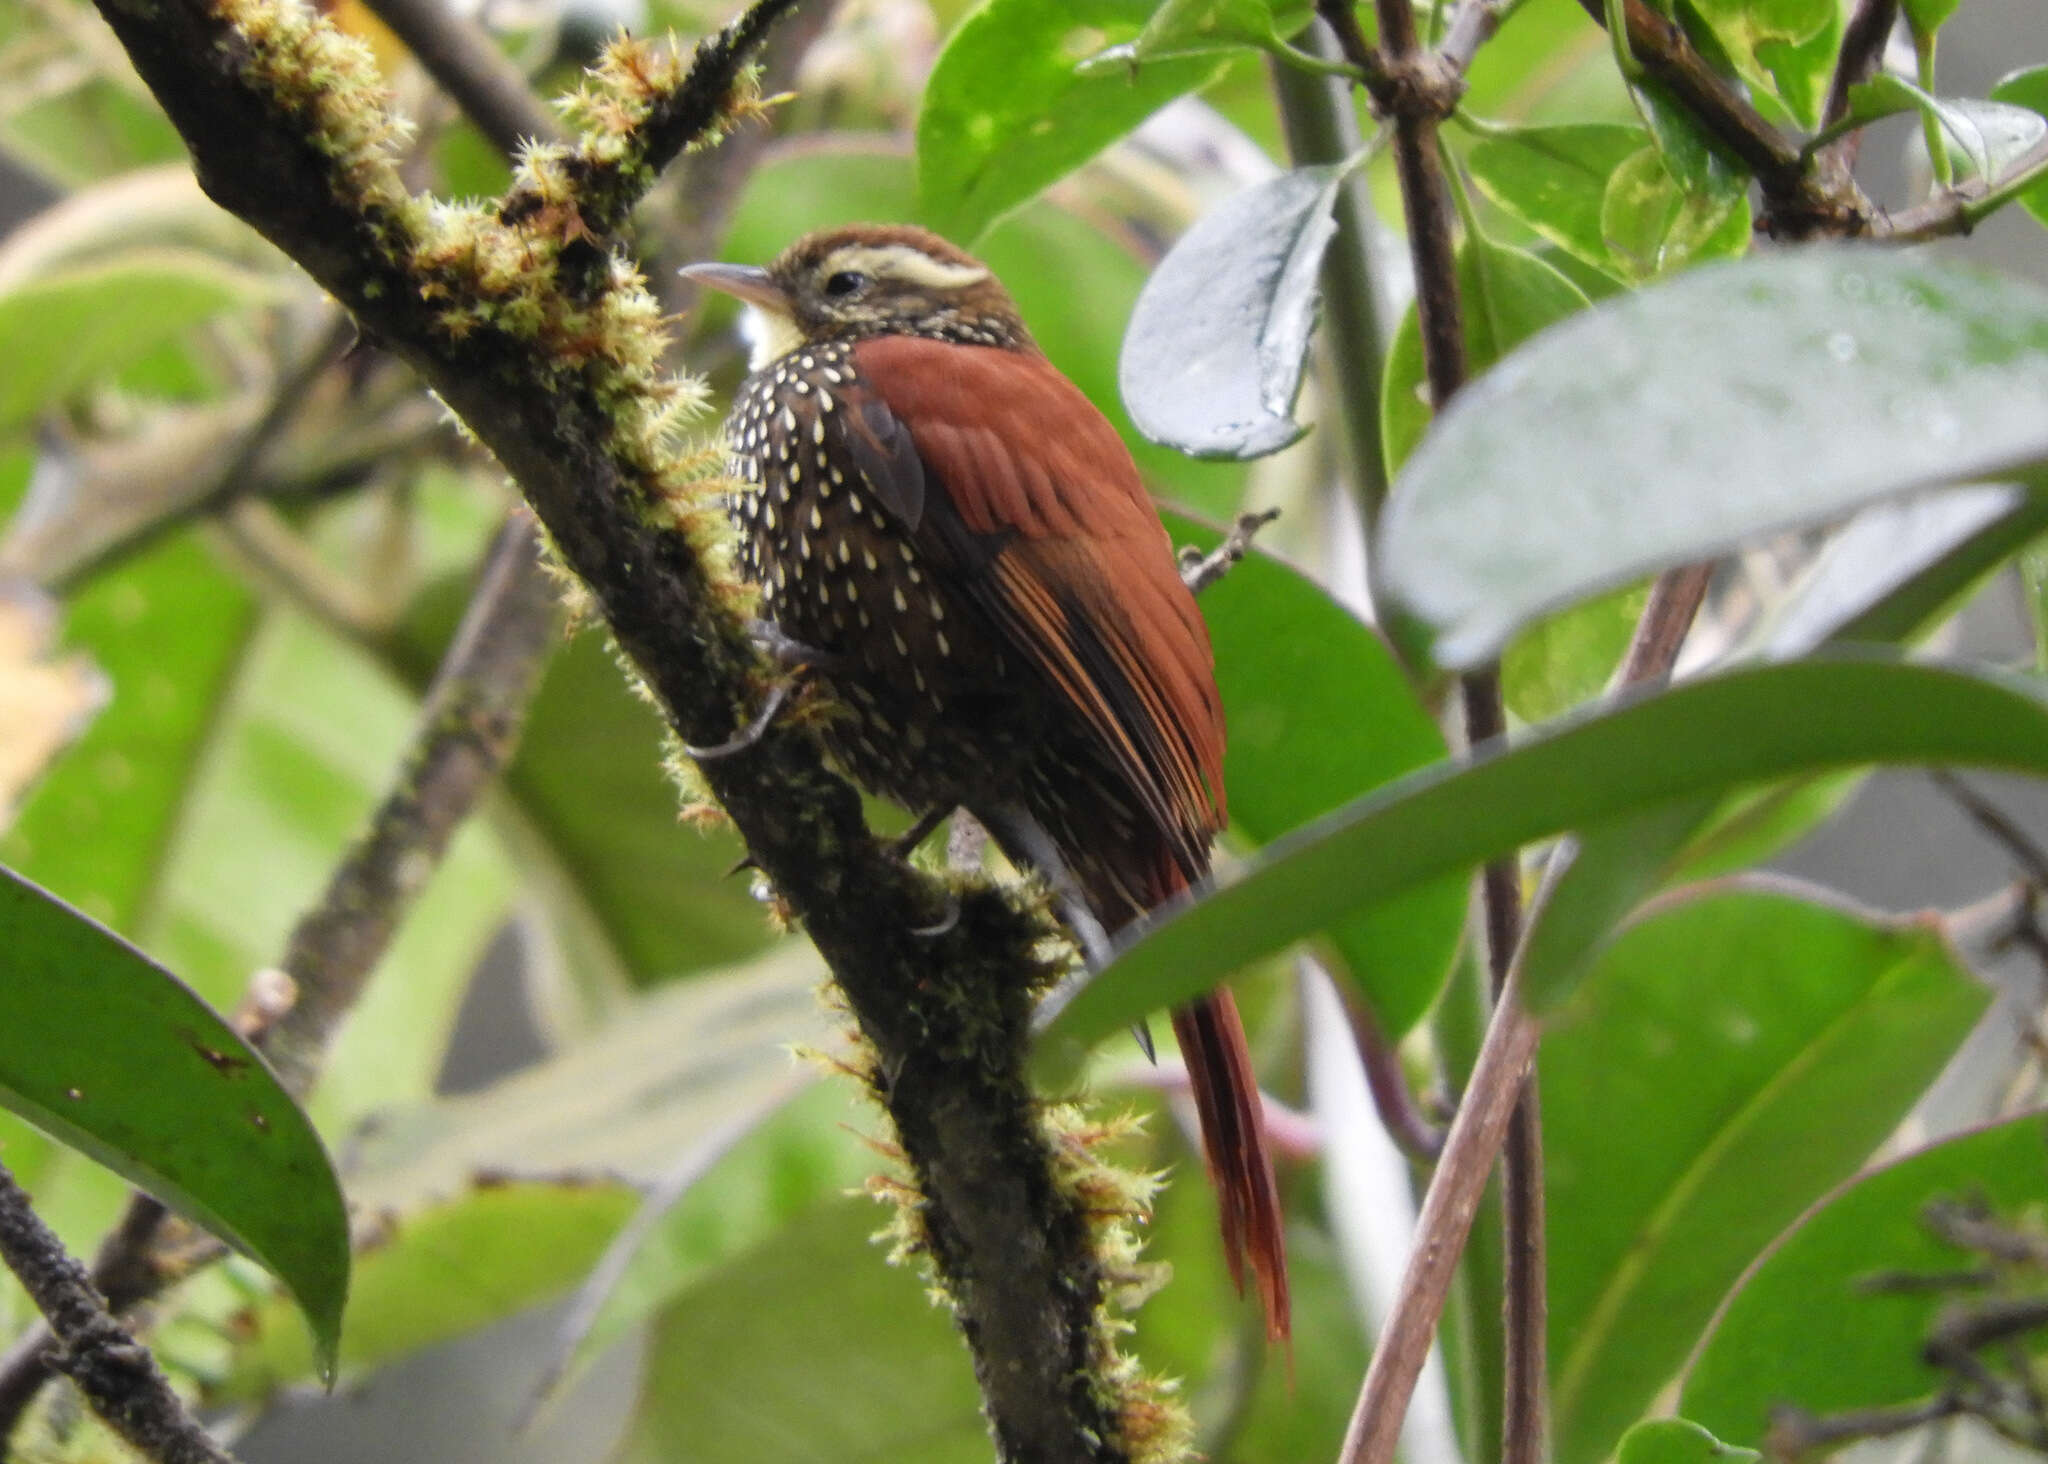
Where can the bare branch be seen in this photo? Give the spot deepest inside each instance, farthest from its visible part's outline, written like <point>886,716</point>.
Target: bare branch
<point>1966,205</point>
<point>465,63</point>
<point>116,1374</point>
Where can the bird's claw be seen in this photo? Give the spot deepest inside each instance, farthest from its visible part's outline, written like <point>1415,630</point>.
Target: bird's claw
<point>944,924</point>
<point>748,735</point>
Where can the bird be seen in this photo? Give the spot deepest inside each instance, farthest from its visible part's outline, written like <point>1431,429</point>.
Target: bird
<point>961,546</point>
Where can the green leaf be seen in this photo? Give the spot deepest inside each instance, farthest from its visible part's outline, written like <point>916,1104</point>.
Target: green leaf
<point>2028,89</point>
<point>300,754</point>
<point>1213,357</point>
<point>1762,1045</point>
<point>1927,16</point>
<point>1566,658</point>
<point>691,1070</point>
<point>1652,226</point>
<point>1201,27</point>
<point>114,1055</point>
<point>1553,180</point>
<point>1714,733</point>
<point>1993,135</point>
<point>671,1068</point>
<point>1691,153</point>
<point>66,330</point>
<point>169,630</point>
<point>454,1265</point>
<point>1006,112</point>
<point>1677,1441</point>
<point>2034,580</point>
<point>1669,425</point>
<point>1801,71</point>
<point>1766,39</point>
<point>1319,712</point>
<point>1507,296</point>
<point>882,1376</point>
<point>1804,1330</point>
<point>1990,134</point>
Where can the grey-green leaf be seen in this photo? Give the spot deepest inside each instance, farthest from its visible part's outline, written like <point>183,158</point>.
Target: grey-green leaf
<point>1673,424</point>
<point>1213,356</point>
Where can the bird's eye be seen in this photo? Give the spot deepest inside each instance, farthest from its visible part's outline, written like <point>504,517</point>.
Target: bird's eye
<point>844,283</point>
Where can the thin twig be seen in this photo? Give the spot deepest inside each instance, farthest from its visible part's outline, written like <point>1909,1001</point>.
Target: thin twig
<point>2025,850</point>
<point>116,1374</point>
<point>1862,53</point>
<point>1480,1128</point>
<point>1198,571</point>
<point>1674,603</point>
<point>468,726</point>
<point>1794,1431</point>
<point>1399,1113</point>
<point>1426,202</point>
<point>1525,1306</point>
<point>1448,1207</point>
<point>1966,205</point>
<point>476,74</point>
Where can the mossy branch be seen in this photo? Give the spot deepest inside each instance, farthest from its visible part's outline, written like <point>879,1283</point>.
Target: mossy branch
<point>542,338</point>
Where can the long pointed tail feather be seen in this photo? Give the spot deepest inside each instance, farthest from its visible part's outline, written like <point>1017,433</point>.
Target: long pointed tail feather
<point>1226,1094</point>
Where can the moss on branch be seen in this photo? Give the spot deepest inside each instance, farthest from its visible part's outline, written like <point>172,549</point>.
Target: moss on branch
<point>539,333</point>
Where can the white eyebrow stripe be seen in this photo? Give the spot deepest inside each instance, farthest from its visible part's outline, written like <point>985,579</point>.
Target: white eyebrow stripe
<point>902,262</point>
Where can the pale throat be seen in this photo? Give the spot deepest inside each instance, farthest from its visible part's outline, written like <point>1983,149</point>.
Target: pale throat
<point>768,334</point>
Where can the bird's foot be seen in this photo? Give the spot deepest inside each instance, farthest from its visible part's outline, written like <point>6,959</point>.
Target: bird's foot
<point>784,649</point>
<point>748,735</point>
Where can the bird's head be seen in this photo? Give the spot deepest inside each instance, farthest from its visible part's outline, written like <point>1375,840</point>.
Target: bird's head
<point>865,280</point>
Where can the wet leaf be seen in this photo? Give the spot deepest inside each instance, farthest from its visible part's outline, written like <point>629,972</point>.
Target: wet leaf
<point>1670,425</point>
<point>1214,354</point>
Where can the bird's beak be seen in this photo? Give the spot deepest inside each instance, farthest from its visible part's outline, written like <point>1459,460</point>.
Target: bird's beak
<point>745,281</point>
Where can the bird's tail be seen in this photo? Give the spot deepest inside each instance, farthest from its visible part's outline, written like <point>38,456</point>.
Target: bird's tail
<point>1119,883</point>
<point>1226,1093</point>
